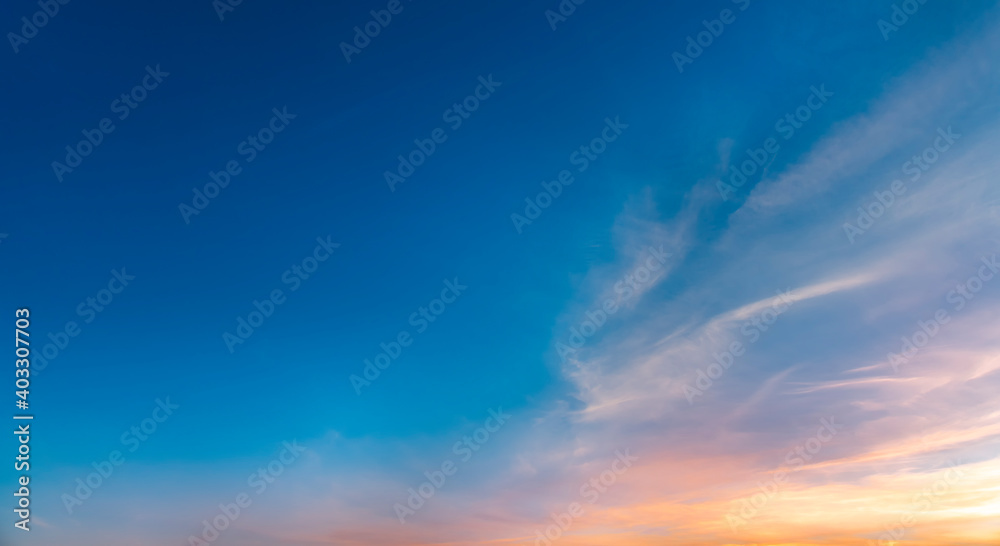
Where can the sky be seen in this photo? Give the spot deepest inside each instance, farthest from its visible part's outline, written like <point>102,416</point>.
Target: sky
<point>521,273</point>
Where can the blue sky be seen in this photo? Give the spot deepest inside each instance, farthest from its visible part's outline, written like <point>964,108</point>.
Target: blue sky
<point>322,176</point>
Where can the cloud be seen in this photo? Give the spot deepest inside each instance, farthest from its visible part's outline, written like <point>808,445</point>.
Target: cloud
<point>848,305</point>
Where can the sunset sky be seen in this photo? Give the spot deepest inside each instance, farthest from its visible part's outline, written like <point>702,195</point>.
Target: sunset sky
<point>759,306</point>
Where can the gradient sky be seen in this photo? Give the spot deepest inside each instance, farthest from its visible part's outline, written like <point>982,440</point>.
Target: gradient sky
<point>914,439</point>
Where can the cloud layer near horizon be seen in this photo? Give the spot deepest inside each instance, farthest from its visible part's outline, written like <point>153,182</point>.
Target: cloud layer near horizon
<point>916,442</point>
